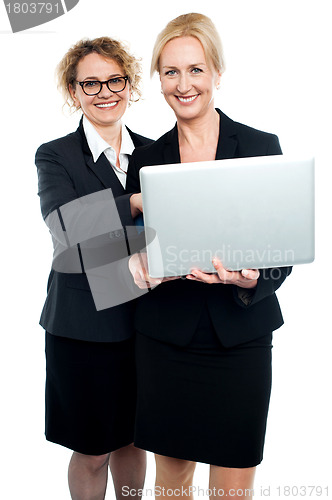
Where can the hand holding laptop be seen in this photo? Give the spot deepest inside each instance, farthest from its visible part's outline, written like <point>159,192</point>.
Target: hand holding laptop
<point>136,206</point>
<point>138,265</point>
<point>247,278</point>
<point>202,210</point>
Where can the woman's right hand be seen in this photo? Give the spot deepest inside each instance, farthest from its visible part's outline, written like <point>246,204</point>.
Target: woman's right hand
<point>136,205</point>
<point>138,265</point>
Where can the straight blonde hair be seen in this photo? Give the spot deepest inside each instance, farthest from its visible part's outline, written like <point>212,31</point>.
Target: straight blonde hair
<point>198,26</point>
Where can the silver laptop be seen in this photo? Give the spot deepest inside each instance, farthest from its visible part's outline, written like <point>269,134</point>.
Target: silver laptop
<point>250,212</point>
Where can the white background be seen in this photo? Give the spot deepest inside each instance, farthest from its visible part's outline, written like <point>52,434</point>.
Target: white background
<point>278,79</point>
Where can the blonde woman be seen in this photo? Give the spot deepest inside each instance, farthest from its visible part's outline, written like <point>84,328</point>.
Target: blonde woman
<point>203,343</point>
<point>90,369</point>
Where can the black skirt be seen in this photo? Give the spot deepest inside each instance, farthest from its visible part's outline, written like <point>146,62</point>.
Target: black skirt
<point>90,394</point>
<point>203,402</point>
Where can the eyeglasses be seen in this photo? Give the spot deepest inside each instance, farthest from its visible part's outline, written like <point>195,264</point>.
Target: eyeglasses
<point>93,87</point>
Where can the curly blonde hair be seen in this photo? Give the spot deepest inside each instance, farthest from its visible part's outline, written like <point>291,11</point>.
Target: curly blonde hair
<point>198,26</point>
<point>66,71</point>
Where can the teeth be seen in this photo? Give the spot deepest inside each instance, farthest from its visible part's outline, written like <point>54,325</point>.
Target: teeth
<point>110,105</point>
<point>187,99</point>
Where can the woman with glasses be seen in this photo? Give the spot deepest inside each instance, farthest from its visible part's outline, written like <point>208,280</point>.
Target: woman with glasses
<point>90,370</point>
<point>203,342</point>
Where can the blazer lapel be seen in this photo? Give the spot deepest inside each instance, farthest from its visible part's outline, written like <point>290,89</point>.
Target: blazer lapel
<point>102,168</point>
<point>105,173</point>
<point>171,151</point>
<point>226,148</point>
<point>227,143</point>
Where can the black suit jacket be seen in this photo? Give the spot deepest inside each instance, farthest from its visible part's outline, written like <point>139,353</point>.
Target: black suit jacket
<point>66,171</point>
<point>171,311</point>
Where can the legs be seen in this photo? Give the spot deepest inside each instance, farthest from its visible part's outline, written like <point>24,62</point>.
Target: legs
<point>234,483</point>
<point>87,475</point>
<point>174,479</point>
<point>128,465</point>
<point>174,475</point>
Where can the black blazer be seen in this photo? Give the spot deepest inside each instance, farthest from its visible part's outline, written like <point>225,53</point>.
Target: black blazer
<point>171,311</point>
<point>66,171</point>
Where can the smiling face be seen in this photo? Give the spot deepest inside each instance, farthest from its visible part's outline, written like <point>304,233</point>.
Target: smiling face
<point>106,108</point>
<point>187,79</point>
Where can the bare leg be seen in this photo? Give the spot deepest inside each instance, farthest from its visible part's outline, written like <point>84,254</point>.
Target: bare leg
<point>174,477</point>
<point>235,483</point>
<point>87,476</point>
<point>128,466</point>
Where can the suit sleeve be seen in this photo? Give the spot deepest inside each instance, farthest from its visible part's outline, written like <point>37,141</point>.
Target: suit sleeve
<point>272,278</point>
<point>55,186</point>
<point>87,231</point>
<point>56,189</point>
<point>133,183</point>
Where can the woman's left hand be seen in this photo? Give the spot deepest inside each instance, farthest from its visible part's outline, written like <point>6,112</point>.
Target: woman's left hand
<point>247,278</point>
<point>136,204</point>
<point>138,266</point>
